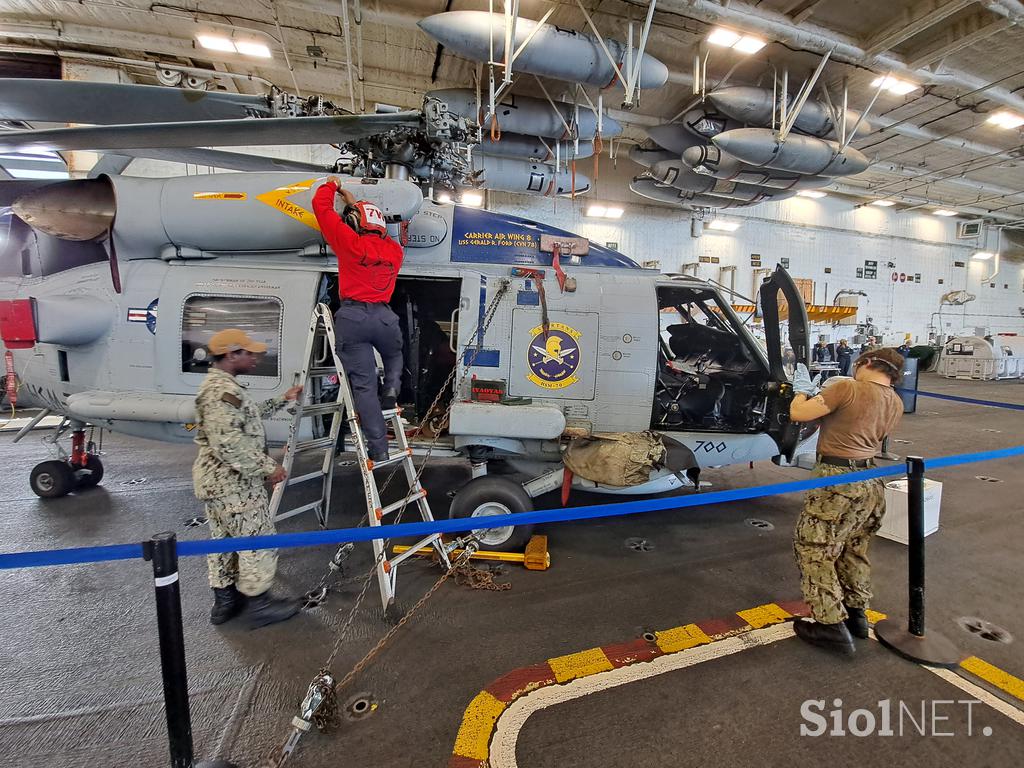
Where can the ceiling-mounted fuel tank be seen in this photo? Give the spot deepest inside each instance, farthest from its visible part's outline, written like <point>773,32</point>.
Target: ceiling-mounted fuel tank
<point>505,174</point>
<point>649,188</point>
<point>532,148</point>
<point>529,116</point>
<point>551,51</point>
<point>709,160</point>
<point>797,154</point>
<point>752,105</point>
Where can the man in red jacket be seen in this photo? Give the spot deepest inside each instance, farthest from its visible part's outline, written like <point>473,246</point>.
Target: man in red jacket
<point>368,263</point>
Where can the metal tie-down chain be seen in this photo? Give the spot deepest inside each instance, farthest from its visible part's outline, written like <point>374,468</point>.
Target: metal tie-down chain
<point>319,707</point>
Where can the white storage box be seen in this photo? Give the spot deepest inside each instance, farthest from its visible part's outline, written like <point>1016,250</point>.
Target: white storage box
<point>897,500</point>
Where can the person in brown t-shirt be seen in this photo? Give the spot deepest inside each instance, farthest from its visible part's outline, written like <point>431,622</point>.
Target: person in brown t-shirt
<point>836,524</point>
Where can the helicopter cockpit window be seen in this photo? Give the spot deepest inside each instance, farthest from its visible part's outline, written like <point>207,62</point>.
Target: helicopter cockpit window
<point>204,316</point>
<point>709,377</point>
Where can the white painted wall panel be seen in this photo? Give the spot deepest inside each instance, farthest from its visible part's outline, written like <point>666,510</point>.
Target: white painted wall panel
<point>815,235</point>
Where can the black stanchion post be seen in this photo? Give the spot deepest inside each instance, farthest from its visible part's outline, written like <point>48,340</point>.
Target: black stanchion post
<point>915,535</point>
<point>162,551</point>
<point>913,643</point>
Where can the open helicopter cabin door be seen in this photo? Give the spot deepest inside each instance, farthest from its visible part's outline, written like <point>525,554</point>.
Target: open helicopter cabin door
<point>781,301</point>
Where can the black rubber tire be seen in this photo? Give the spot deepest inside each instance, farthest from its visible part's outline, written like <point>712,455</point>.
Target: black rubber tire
<point>499,490</point>
<point>52,479</point>
<point>95,466</point>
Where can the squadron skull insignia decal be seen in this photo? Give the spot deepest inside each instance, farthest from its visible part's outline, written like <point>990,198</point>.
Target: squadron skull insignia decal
<point>554,356</point>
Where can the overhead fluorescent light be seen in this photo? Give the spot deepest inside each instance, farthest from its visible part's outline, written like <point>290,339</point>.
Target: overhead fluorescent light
<point>724,226</point>
<point>443,197</point>
<point>895,85</point>
<point>944,212</point>
<point>30,173</point>
<point>749,44</point>
<point>812,193</point>
<point>252,48</point>
<point>472,199</point>
<point>982,255</point>
<point>726,38</point>
<point>216,43</point>
<point>1006,119</point>
<point>883,203</point>
<point>723,37</point>
<point>597,211</point>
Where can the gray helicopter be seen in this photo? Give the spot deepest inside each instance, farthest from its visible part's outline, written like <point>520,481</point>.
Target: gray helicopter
<point>112,286</point>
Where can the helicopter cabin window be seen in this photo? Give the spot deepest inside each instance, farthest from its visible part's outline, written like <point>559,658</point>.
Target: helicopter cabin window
<point>709,376</point>
<point>203,316</point>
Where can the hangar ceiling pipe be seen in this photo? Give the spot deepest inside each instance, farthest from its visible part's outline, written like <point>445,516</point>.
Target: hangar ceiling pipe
<point>777,26</point>
<point>855,191</point>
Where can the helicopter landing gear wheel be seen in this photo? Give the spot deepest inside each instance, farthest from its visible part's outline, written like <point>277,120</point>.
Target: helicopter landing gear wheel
<point>52,479</point>
<point>486,496</point>
<point>94,467</point>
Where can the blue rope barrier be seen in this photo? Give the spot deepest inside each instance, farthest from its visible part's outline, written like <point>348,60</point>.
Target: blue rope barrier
<point>594,511</point>
<point>70,556</point>
<point>959,399</point>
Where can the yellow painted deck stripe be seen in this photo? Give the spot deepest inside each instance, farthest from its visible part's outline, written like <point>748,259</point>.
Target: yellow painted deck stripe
<point>1004,681</point>
<point>580,664</point>
<point>874,616</point>
<point>477,725</point>
<point>764,615</point>
<point>681,638</point>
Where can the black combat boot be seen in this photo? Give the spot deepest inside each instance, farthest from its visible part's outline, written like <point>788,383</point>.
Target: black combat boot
<point>834,637</point>
<point>857,622</point>
<point>262,610</point>
<point>389,400</point>
<point>227,603</point>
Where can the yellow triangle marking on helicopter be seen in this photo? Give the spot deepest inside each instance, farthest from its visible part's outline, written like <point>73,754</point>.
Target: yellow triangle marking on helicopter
<point>278,199</point>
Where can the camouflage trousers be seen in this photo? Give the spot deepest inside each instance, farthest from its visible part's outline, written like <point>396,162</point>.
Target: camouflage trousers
<point>831,544</point>
<point>245,514</point>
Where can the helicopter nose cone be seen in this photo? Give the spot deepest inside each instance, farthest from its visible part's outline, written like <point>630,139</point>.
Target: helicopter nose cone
<point>81,209</point>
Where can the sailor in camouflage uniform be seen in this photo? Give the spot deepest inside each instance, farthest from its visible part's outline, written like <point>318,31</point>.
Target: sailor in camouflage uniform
<point>837,522</point>
<point>230,476</point>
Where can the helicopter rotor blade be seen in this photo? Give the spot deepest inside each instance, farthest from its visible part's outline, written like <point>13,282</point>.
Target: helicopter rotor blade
<point>330,129</point>
<point>233,161</point>
<point>73,101</point>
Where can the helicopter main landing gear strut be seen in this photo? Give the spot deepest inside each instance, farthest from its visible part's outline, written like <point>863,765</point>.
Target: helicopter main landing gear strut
<point>81,469</point>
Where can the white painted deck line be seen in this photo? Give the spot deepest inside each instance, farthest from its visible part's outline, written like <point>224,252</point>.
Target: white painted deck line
<point>512,720</point>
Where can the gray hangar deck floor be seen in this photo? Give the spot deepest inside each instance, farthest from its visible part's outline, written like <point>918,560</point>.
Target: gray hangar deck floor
<point>81,681</point>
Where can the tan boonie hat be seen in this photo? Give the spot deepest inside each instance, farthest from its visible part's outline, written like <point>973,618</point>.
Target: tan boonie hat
<point>232,340</point>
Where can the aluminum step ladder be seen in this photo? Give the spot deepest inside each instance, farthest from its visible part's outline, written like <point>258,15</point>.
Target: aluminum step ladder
<point>314,378</point>
<point>321,348</point>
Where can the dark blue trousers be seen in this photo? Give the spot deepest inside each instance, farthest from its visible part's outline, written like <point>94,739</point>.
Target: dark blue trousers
<point>361,328</point>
